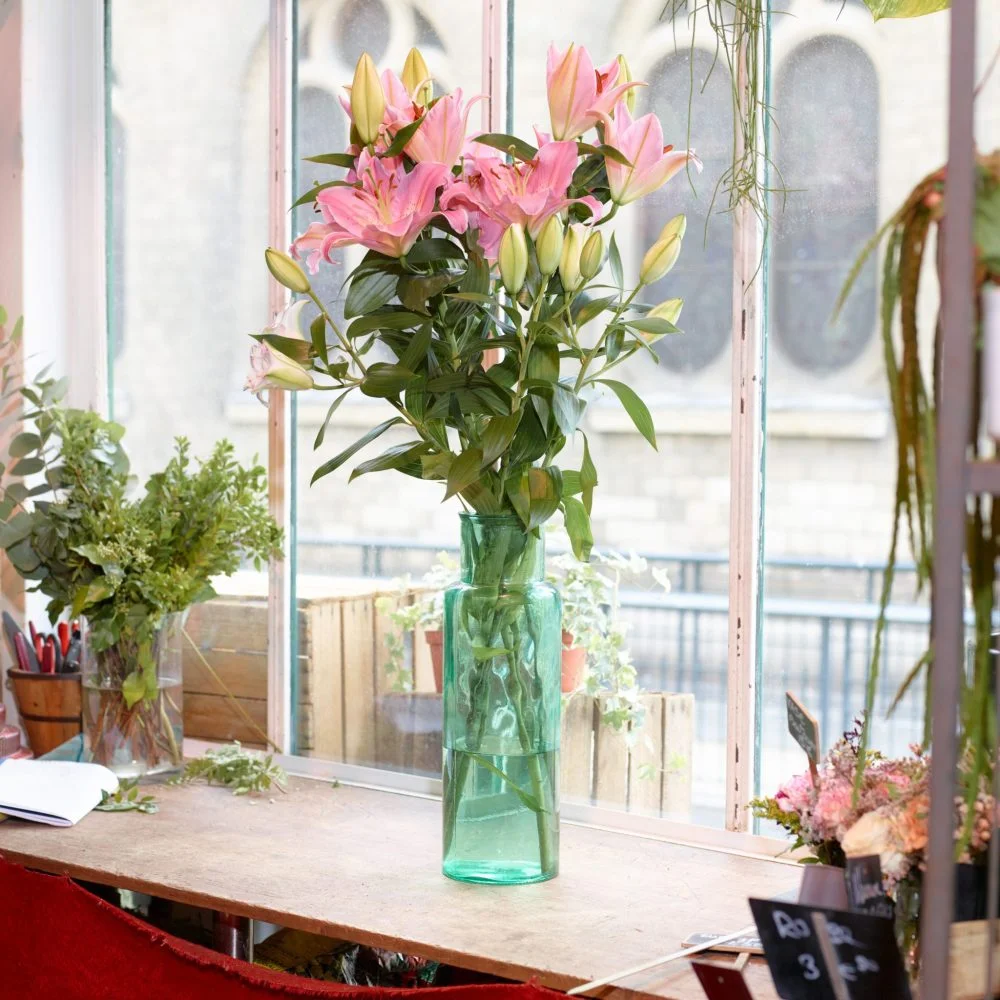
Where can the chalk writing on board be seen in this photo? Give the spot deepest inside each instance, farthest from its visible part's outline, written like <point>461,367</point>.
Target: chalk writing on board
<point>865,889</point>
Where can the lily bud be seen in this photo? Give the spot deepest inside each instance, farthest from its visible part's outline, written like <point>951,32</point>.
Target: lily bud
<point>592,256</point>
<point>285,271</point>
<point>669,310</point>
<point>270,369</point>
<point>367,100</point>
<point>677,226</point>
<point>625,76</point>
<point>417,78</point>
<point>513,258</point>
<point>548,246</point>
<point>569,261</point>
<point>659,259</point>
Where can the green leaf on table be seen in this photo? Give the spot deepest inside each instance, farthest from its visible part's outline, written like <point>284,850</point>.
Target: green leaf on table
<point>435,248</point>
<point>508,144</point>
<point>338,460</point>
<point>317,334</point>
<point>528,800</point>
<point>368,292</point>
<point>578,528</point>
<point>392,458</point>
<point>127,799</point>
<point>332,159</point>
<point>588,476</point>
<point>384,381</point>
<point>465,469</point>
<point>402,137</point>
<point>326,420</point>
<point>497,436</point>
<point>634,407</point>
<point>568,409</point>
<point>24,444</point>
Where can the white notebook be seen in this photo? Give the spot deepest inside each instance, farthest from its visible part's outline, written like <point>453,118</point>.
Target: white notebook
<point>57,792</point>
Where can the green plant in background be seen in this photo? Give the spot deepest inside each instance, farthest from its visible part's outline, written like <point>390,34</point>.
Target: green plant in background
<point>244,771</point>
<point>72,528</point>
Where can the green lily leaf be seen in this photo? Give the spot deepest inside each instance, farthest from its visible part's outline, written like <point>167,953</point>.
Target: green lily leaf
<point>332,159</point>
<point>634,407</point>
<point>326,420</point>
<point>384,381</point>
<point>368,292</point>
<point>338,460</point>
<point>529,800</point>
<point>508,144</point>
<point>464,470</point>
<point>498,435</point>
<point>578,528</point>
<point>392,458</point>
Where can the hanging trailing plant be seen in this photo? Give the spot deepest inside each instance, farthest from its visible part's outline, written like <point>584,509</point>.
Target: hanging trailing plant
<point>914,393</point>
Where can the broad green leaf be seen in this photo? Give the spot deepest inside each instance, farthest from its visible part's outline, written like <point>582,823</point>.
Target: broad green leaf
<point>520,498</point>
<point>651,324</point>
<point>326,421</point>
<point>133,689</point>
<point>14,530</point>
<point>588,476</point>
<point>310,196</point>
<point>332,159</point>
<point>584,310</point>
<point>614,343</point>
<point>606,151</point>
<point>465,469</point>
<point>415,289</point>
<point>567,408</point>
<point>543,359</point>
<point>384,381</point>
<point>508,144</point>
<point>497,436</point>
<point>545,492</point>
<point>368,292</point>
<point>392,458</point>
<point>402,137</point>
<point>292,347</point>
<point>390,320</point>
<point>416,352</point>
<point>24,557</point>
<point>317,334</point>
<point>530,440</point>
<point>435,248</point>
<point>338,460</point>
<point>27,467</point>
<point>571,484</point>
<point>634,407</point>
<point>529,801</point>
<point>578,528</point>
<point>905,8</point>
<point>24,444</point>
<point>615,261</point>
<point>436,465</point>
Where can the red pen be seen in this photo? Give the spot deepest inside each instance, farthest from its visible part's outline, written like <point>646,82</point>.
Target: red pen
<point>63,629</point>
<point>48,659</point>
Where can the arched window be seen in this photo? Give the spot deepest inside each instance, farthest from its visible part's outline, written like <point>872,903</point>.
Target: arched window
<point>704,273</point>
<point>826,149</point>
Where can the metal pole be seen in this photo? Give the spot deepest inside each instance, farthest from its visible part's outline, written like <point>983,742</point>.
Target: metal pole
<point>949,516</point>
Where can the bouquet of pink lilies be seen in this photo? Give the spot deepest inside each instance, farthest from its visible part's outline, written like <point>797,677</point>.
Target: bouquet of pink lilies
<point>482,248</point>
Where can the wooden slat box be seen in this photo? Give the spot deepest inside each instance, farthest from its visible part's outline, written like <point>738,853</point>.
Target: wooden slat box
<point>648,771</point>
<point>341,666</point>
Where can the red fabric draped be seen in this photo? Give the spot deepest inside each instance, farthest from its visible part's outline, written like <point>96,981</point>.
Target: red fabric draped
<point>58,941</point>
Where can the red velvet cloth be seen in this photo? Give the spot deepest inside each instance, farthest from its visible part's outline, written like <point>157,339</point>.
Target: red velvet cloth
<point>59,942</point>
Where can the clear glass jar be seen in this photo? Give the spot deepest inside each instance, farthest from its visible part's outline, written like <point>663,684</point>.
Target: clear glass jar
<point>502,659</point>
<point>133,710</point>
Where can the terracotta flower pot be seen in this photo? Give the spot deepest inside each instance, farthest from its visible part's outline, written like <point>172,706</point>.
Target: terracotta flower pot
<point>435,642</point>
<point>574,660</point>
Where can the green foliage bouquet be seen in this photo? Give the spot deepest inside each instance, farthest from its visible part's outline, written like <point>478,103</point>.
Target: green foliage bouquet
<point>126,563</point>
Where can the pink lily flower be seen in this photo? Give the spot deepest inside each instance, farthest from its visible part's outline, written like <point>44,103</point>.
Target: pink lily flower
<point>269,368</point>
<point>641,141</point>
<point>441,135</point>
<point>579,95</point>
<point>386,213</point>
<point>497,194</point>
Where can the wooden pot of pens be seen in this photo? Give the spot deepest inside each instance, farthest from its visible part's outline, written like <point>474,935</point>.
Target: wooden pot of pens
<point>46,683</point>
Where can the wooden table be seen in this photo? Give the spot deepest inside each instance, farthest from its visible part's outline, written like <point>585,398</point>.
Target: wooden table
<point>363,865</point>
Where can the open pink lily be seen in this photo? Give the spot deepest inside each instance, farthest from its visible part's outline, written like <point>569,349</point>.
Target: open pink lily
<point>441,134</point>
<point>579,95</point>
<point>386,213</point>
<point>641,142</point>
<point>497,194</point>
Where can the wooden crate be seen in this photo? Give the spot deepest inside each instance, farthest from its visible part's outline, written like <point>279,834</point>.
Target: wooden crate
<point>341,668</point>
<point>648,771</point>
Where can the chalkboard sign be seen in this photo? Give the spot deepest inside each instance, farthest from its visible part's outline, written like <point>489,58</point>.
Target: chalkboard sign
<point>803,727</point>
<point>869,961</point>
<point>865,890</point>
<point>749,943</point>
<point>721,982</point>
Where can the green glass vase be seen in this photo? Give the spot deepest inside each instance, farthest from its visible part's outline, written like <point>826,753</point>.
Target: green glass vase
<point>502,639</point>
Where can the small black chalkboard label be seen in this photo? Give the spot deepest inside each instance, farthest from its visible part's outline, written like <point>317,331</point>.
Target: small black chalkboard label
<point>869,961</point>
<point>721,982</point>
<point>748,943</point>
<point>865,891</point>
<point>803,727</point>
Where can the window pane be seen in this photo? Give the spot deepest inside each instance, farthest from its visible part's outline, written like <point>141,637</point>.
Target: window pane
<point>670,507</point>
<point>367,693</point>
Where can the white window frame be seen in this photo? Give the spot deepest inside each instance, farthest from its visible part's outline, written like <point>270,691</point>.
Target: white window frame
<point>75,159</point>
